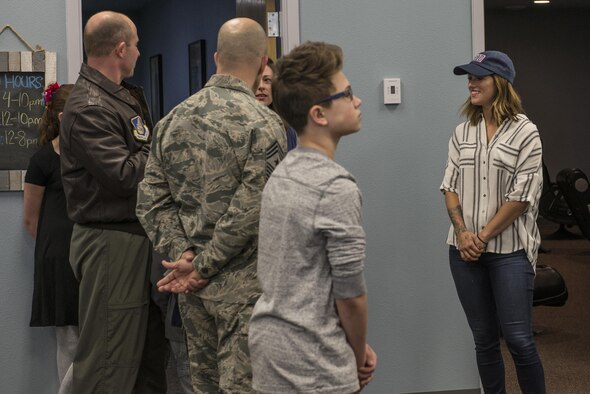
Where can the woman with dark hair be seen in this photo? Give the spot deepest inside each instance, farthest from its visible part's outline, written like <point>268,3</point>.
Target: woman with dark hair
<point>264,95</point>
<point>55,294</point>
<point>492,186</point>
<point>264,90</point>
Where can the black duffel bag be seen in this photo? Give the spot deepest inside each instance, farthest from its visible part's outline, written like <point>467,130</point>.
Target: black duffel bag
<point>550,288</point>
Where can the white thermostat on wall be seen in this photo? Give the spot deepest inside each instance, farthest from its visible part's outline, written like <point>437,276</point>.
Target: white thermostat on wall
<point>392,91</point>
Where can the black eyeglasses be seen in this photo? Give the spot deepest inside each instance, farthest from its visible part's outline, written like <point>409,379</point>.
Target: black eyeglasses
<point>345,93</point>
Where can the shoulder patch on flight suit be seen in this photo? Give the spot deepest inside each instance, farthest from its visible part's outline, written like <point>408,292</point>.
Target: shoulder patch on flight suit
<point>140,130</point>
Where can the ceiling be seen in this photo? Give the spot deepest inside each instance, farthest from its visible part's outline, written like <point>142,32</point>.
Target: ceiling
<point>528,4</point>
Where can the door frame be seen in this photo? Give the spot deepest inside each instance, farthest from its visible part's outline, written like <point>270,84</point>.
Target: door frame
<point>289,21</point>
<point>478,43</point>
<point>73,38</point>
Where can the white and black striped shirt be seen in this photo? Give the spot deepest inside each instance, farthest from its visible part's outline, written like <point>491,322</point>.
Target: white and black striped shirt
<point>485,176</point>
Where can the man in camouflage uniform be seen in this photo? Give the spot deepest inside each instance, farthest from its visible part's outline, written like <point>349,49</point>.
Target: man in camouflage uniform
<point>200,201</point>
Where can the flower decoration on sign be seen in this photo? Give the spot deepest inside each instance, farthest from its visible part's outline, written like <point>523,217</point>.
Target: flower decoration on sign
<point>48,93</point>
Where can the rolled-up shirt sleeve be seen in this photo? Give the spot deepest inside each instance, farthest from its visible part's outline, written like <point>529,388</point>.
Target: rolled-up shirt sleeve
<point>451,177</point>
<point>338,218</point>
<point>528,174</point>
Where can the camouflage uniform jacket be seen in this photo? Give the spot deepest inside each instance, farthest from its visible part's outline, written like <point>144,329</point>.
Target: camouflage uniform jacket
<point>211,157</point>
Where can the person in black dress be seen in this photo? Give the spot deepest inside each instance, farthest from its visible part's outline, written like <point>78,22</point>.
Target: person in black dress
<point>55,294</point>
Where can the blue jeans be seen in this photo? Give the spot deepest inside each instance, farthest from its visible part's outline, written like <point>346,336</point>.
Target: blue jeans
<point>496,293</point>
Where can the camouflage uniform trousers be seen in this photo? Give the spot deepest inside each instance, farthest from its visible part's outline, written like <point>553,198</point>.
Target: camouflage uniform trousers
<point>217,340</point>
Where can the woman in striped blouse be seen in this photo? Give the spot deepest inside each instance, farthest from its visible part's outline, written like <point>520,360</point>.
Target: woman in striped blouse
<point>492,185</point>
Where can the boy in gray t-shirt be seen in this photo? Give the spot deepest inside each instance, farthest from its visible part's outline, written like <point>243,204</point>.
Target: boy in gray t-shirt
<point>308,329</point>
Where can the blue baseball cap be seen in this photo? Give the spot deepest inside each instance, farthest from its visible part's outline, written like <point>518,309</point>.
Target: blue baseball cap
<point>488,63</point>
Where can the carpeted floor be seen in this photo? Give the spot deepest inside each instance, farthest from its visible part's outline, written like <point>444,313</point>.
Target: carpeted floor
<point>563,337</point>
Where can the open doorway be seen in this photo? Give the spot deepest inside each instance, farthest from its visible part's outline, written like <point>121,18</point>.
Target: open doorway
<point>548,44</point>
<point>169,32</point>
<point>167,29</point>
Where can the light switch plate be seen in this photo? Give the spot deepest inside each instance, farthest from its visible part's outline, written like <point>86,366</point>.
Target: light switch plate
<point>392,91</point>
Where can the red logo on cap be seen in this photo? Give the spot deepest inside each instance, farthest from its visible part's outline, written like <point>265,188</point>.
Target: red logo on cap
<point>479,58</point>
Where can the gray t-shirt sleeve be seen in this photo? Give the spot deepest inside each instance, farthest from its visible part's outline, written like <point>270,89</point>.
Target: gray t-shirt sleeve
<point>338,218</point>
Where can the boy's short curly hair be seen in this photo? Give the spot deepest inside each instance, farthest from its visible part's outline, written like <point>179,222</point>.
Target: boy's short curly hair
<point>302,78</point>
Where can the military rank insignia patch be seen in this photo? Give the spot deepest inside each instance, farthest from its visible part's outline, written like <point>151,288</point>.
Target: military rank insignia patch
<point>274,155</point>
<point>140,130</point>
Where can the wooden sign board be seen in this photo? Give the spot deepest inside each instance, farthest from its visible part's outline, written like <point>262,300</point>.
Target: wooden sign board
<point>23,78</point>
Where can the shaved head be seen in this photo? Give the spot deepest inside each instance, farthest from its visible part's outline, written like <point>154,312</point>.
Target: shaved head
<point>104,31</point>
<point>241,42</point>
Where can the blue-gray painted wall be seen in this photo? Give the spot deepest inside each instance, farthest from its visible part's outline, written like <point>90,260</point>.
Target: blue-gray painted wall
<point>416,324</point>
